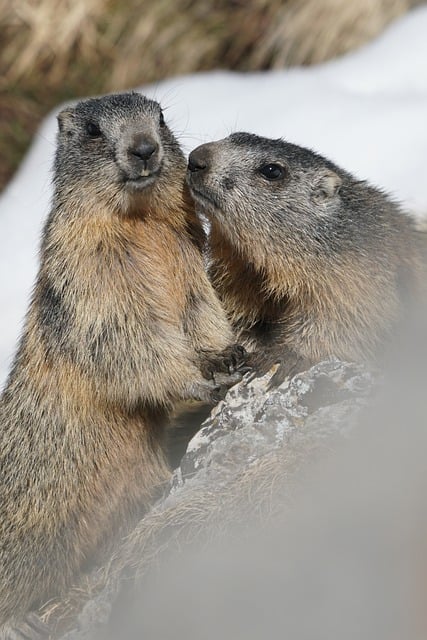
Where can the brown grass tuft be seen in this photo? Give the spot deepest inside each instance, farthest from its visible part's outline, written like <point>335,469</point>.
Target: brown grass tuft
<point>53,50</point>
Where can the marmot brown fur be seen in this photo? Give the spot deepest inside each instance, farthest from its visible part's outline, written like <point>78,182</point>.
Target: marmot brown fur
<point>308,261</point>
<point>122,322</point>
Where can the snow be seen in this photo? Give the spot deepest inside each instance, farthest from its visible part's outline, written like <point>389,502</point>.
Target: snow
<point>367,111</point>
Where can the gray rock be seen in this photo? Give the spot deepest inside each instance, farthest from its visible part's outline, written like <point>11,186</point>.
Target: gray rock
<point>252,422</point>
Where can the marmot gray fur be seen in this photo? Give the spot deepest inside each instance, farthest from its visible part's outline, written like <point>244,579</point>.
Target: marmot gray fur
<point>122,322</point>
<point>308,261</point>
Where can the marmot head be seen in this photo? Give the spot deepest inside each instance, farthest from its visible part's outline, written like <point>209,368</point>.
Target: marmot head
<point>116,148</point>
<point>266,196</point>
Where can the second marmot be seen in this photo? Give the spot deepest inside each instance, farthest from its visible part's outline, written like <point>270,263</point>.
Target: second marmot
<point>308,261</point>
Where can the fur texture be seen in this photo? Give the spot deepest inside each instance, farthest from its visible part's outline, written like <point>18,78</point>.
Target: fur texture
<point>308,261</point>
<point>122,321</point>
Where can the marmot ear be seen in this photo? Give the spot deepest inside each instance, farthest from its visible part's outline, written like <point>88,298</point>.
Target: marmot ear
<point>65,118</point>
<point>327,184</point>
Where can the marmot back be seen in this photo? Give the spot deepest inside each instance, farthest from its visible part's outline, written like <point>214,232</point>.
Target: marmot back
<point>308,261</point>
<point>123,323</point>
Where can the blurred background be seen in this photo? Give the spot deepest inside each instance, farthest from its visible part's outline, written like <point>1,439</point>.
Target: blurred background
<point>55,50</point>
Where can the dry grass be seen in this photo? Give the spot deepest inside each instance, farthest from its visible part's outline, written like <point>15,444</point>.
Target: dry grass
<point>56,49</point>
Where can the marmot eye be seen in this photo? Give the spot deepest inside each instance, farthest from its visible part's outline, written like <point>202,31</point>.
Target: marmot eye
<point>161,119</point>
<point>272,171</point>
<point>93,130</point>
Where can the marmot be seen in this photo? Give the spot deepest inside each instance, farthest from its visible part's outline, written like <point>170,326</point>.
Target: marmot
<point>122,323</point>
<point>308,261</point>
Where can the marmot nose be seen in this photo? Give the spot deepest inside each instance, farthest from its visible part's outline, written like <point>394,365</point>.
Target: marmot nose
<point>144,150</point>
<point>198,159</point>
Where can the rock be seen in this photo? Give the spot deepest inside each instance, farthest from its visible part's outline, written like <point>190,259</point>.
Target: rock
<point>252,424</point>
<point>253,420</point>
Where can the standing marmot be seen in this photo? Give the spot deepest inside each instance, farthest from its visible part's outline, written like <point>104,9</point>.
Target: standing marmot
<point>308,261</point>
<point>122,321</point>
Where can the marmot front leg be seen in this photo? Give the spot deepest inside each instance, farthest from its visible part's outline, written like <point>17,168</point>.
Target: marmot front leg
<point>227,367</point>
<point>220,357</point>
<point>232,360</point>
